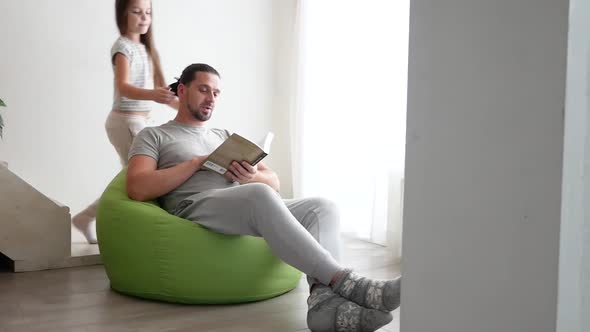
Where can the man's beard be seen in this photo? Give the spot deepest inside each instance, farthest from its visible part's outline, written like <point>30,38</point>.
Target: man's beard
<point>200,116</point>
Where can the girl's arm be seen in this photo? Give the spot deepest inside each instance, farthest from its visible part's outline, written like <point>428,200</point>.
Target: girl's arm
<point>160,95</point>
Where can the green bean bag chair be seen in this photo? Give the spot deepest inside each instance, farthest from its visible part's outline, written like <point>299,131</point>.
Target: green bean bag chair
<point>152,254</point>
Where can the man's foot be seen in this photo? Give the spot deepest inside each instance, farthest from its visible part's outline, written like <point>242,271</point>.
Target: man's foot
<point>329,312</point>
<point>382,295</point>
<point>87,225</point>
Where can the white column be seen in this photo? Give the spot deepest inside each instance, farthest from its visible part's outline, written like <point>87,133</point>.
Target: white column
<point>483,165</point>
<point>574,262</point>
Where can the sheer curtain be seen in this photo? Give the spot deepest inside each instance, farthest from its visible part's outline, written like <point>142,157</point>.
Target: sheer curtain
<point>348,112</point>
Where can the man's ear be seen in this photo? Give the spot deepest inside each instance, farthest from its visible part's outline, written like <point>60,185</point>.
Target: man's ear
<point>180,89</point>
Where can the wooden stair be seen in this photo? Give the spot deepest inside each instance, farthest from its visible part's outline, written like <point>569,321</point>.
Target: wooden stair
<point>35,231</point>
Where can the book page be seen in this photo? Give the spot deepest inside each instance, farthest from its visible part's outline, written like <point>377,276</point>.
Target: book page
<point>235,148</point>
<point>264,144</point>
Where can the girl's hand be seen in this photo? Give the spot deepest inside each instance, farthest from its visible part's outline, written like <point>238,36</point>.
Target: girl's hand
<point>162,95</point>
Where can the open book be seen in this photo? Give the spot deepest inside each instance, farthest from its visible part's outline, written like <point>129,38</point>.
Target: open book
<point>239,149</point>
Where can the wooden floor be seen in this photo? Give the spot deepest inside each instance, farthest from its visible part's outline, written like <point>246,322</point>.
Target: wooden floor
<point>79,299</point>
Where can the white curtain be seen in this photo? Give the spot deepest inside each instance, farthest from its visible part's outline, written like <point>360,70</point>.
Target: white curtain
<point>348,111</point>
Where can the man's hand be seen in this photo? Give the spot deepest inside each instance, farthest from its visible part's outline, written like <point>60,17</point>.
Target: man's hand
<point>241,172</point>
<point>199,161</point>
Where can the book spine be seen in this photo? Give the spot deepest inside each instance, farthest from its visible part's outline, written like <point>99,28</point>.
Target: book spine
<point>259,159</point>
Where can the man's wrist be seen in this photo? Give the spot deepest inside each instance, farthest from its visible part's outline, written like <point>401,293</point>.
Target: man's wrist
<point>197,163</point>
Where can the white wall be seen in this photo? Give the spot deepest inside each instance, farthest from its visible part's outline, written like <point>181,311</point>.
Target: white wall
<point>285,41</point>
<point>483,165</point>
<point>574,261</point>
<point>56,79</point>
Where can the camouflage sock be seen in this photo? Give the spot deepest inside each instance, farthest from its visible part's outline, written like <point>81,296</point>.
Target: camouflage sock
<point>382,295</point>
<point>329,312</point>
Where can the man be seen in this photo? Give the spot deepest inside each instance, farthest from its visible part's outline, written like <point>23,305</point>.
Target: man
<point>165,163</point>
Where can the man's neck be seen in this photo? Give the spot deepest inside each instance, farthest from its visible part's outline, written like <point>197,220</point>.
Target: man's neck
<point>188,119</point>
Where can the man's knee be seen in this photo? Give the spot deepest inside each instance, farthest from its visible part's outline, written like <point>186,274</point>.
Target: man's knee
<point>260,192</point>
<point>327,211</point>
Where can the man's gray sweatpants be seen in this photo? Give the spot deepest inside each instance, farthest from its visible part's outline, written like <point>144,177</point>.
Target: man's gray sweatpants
<point>302,232</point>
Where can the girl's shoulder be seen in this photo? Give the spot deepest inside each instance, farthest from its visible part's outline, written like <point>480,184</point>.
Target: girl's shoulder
<point>122,41</point>
<point>122,45</point>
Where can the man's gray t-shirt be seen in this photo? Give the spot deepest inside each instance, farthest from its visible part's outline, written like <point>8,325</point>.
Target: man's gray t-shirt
<point>173,143</point>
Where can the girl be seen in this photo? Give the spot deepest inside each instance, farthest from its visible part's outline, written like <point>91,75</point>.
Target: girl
<point>138,82</point>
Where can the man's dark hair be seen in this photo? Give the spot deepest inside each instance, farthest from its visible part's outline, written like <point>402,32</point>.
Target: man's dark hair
<point>189,73</point>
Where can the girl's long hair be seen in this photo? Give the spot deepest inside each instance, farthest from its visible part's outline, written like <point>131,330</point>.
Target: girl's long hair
<point>146,39</point>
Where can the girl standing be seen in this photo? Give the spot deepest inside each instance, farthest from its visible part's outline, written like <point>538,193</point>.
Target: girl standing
<point>139,81</point>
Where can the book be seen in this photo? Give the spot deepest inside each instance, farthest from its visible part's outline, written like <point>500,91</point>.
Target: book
<point>239,149</point>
